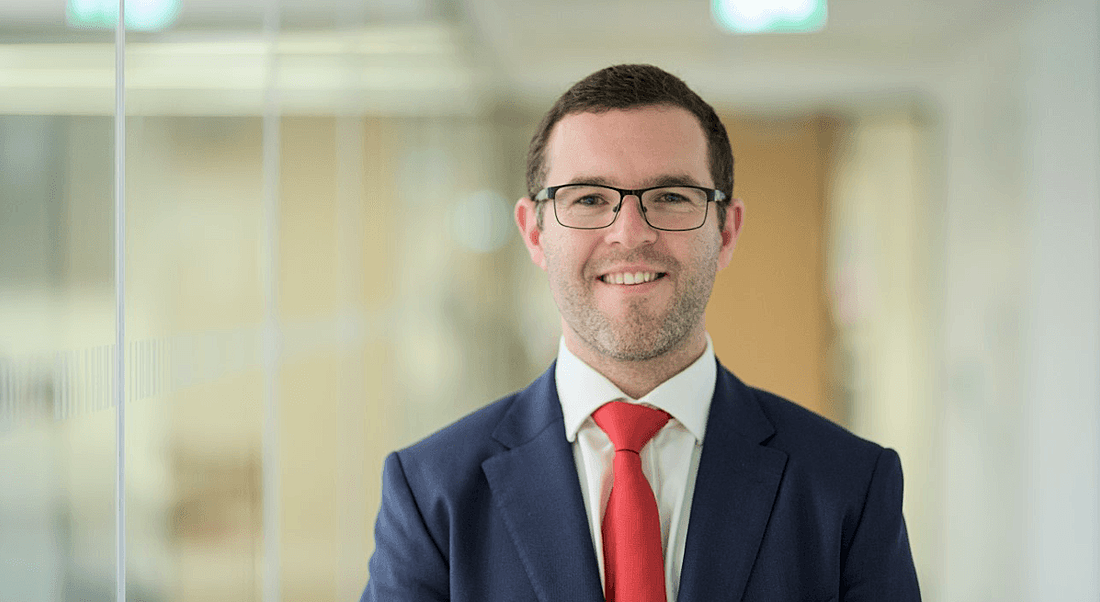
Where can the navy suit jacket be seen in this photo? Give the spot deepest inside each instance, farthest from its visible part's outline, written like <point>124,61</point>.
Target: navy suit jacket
<point>787,507</point>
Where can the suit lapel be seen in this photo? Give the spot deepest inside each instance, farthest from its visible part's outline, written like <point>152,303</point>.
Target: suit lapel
<point>734,492</point>
<point>535,488</point>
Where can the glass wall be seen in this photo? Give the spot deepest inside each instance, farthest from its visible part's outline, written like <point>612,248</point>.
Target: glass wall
<point>305,236</point>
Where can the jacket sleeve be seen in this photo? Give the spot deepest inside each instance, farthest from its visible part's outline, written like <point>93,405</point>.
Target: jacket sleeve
<point>407,563</point>
<point>878,564</point>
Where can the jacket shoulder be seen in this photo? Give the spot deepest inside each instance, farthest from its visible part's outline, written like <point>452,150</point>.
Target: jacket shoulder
<point>800,429</point>
<point>467,439</point>
<point>456,451</point>
<point>820,453</point>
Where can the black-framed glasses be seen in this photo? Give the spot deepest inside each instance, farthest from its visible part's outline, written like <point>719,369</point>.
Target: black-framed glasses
<point>593,206</point>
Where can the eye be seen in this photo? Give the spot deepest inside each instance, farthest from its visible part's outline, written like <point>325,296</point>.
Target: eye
<point>586,197</point>
<point>590,200</point>
<point>670,197</point>
<point>677,198</point>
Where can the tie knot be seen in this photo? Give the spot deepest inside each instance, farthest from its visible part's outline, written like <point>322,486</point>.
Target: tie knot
<point>629,425</point>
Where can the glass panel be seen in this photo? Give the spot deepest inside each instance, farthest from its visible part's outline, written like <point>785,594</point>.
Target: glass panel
<point>319,272</point>
<point>194,315</point>
<point>57,316</point>
<point>195,306</point>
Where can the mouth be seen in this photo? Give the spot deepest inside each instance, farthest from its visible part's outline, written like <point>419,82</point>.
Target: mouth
<point>631,278</point>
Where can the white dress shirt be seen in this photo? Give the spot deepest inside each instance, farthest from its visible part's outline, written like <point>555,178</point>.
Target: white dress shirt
<point>670,460</point>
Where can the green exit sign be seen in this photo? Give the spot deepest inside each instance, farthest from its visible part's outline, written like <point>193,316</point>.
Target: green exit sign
<point>769,16</point>
<point>141,15</point>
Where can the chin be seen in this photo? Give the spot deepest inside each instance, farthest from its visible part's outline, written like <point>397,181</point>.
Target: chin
<point>635,349</point>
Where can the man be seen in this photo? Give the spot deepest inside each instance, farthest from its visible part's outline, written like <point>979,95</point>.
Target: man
<point>637,468</point>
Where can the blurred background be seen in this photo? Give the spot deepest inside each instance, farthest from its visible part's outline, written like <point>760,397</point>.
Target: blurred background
<point>319,265</point>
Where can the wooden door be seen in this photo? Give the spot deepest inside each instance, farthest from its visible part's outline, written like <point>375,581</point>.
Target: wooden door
<point>768,314</point>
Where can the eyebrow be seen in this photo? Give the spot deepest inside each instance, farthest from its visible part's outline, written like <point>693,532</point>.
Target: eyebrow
<point>662,180</point>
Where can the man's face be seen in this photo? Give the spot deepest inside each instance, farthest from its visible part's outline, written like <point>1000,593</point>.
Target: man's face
<point>633,149</point>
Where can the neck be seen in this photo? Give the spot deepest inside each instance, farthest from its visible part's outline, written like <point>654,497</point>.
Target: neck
<point>638,378</point>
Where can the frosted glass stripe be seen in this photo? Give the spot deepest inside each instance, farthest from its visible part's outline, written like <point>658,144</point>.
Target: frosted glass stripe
<point>78,382</point>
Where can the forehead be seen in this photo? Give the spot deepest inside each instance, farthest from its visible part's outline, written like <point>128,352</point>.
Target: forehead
<point>628,147</point>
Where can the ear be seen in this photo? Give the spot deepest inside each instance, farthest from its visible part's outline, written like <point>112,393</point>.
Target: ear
<point>527,221</point>
<point>731,230</point>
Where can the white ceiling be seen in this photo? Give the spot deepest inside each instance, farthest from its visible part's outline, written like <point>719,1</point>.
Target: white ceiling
<point>870,48</point>
<point>528,51</point>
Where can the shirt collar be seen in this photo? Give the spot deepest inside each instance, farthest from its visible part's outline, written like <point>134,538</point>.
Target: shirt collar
<point>686,396</point>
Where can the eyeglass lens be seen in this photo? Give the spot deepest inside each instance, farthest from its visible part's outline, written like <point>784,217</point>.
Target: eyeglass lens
<point>670,208</point>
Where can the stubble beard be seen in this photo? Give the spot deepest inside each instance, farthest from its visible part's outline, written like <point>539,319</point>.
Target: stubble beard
<point>642,333</point>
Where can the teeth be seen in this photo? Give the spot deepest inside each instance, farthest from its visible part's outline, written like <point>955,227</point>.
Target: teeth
<point>630,278</point>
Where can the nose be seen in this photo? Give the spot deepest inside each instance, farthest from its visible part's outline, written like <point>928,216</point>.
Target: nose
<point>630,228</point>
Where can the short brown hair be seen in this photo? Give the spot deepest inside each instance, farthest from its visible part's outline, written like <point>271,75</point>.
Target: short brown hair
<point>626,87</point>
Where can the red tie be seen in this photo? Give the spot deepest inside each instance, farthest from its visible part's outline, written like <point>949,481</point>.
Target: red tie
<point>634,567</point>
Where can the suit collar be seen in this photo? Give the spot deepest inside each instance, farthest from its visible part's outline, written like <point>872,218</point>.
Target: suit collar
<point>738,412</point>
<point>734,492</point>
<point>537,408</point>
<point>534,409</point>
<point>535,488</point>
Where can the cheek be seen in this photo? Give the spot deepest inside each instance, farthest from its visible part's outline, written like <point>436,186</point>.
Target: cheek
<point>566,256</point>
<point>559,269</point>
<point>709,246</point>
<point>702,256</point>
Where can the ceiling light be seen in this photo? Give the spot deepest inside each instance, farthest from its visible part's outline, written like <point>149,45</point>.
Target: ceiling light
<point>769,16</point>
<point>141,15</point>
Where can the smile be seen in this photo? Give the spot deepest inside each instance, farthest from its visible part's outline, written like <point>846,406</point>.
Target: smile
<point>630,278</point>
